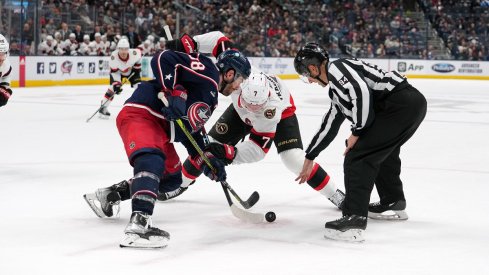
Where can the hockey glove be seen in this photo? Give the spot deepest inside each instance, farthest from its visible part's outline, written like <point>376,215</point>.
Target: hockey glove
<point>117,87</point>
<point>177,100</point>
<point>136,77</point>
<point>4,95</point>
<point>226,153</point>
<point>219,172</point>
<point>184,44</point>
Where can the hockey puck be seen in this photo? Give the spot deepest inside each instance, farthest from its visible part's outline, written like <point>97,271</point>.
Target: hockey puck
<point>270,216</point>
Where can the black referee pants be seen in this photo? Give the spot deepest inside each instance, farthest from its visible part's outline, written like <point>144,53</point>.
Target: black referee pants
<point>375,156</point>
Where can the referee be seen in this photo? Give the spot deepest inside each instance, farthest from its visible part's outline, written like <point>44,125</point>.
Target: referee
<point>385,111</point>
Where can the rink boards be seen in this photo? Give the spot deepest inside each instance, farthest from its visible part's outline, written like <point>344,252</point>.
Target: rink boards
<point>31,71</point>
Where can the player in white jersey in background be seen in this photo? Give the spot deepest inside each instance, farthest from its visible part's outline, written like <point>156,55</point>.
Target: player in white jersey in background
<point>48,47</point>
<point>160,46</point>
<point>98,46</point>
<point>5,71</point>
<point>124,63</point>
<point>83,48</point>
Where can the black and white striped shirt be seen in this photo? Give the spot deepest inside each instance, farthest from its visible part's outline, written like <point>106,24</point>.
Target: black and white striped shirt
<point>354,86</point>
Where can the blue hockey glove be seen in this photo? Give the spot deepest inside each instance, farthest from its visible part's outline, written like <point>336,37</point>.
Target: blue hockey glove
<point>177,101</point>
<point>219,173</point>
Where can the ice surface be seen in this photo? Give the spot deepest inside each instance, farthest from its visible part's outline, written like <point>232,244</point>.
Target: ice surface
<point>50,157</point>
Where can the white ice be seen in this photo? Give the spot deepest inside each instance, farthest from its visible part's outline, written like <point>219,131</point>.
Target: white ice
<point>50,157</point>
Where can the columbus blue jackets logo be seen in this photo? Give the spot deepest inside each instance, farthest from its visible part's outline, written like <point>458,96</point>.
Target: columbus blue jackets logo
<point>198,114</point>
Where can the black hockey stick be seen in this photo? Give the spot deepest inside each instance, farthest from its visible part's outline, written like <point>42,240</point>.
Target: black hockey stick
<point>252,200</point>
<point>105,103</point>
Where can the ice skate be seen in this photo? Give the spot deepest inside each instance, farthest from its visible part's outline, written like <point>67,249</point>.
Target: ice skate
<point>348,228</point>
<point>140,234</point>
<point>105,201</point>
<point>172,194</point>
<point>392,212</point>
<point>104,113</point>
<point>338,198</point>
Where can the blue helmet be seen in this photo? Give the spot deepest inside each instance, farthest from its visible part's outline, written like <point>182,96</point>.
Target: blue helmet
<point>233,59</point>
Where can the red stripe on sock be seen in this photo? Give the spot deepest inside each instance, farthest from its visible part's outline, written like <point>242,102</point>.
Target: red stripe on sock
<point>313,172</point>
<point>324,183</point>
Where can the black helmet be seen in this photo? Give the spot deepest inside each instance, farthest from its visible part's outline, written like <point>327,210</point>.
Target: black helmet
<point>310,54</point>
<point>232,59</point>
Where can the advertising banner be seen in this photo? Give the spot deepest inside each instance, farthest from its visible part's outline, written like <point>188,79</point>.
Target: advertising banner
<point>86,70</point>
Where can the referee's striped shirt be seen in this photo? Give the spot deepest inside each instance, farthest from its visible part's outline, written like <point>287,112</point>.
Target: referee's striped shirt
<point>354,86</point>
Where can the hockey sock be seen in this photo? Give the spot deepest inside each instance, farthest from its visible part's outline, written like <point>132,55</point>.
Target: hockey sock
<point>191,170</point>
<point>145,184</point>
<point>320,181</point>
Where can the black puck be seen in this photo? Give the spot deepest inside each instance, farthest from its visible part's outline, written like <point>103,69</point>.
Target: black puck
<point>270,216</point>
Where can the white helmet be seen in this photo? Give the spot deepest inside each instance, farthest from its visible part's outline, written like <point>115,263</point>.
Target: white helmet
<point>150,38</point>
<point>4,46</point>
<point>255,92</point>
<point>123,43</point>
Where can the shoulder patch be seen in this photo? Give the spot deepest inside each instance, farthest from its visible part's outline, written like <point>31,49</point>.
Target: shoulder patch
<point>221,128</point>
<point>112,57</point>
<point>198,114</point>
<point>134,52</point>
<point>270,113</point>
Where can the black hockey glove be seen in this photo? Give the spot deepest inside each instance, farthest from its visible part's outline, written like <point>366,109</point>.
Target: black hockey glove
<point>136,77</point>
<point>117,87</point>
<point>177,100</point>
<point>219,172</point>
<point>5,94</point>
<point>184,44</point>
<point>226,153</point>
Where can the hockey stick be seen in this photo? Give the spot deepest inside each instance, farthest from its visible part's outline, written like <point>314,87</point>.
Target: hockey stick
<point>109,99</point>
<point>237,212</point>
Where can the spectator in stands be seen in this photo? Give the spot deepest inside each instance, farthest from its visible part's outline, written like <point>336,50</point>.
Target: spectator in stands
<point>65,33</point>
<point>133,37</point>
<point>79,33</point>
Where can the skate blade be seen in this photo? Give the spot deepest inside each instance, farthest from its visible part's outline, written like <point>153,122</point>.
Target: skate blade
<point>102,116</point>
<point>391,215</point>
<point>135,241</point>
<point>90,199</point>
<point>351,235</point>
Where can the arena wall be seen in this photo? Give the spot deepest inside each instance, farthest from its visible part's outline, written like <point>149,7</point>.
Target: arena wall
<point>34,71</point>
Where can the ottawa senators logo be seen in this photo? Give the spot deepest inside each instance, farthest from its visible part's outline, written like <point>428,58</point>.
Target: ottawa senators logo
<point>221,128</point>
<point>270,113</point>
<point>198,114</point>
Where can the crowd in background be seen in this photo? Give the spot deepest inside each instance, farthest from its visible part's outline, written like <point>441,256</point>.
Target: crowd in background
<point>359,28</point>
<point>463,25</point>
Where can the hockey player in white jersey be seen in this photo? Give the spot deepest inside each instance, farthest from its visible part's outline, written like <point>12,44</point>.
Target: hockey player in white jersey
<point>160,46</point>
<point>146,48</point>
<point>263,108</point>
<point>5,71</point>
<point>124,63</point>
<point>84,47</point>
<point>97,47</point>
<point>48,47</point>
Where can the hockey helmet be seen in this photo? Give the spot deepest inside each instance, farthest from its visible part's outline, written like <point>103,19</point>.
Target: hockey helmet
<point>150,38</point>
<point>255,92</point>
<point>310,54</point>
<point>4,46</point>
<point>123,44</point>
<point>233,59</point>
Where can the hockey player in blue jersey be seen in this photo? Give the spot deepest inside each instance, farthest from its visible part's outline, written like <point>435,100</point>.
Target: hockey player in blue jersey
<point>191,83</point>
